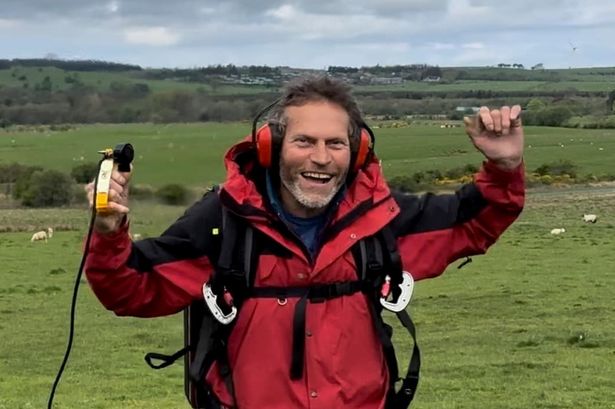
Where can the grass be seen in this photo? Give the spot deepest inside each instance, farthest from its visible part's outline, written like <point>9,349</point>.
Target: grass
<point>102,80</point>
<point>99,80</point>
<point>528,325</point>
<point>191,153</point>
<point>582,80</point>
<point>497,86</point>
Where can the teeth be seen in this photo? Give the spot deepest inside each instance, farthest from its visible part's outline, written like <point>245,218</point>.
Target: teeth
<point>314,175</point>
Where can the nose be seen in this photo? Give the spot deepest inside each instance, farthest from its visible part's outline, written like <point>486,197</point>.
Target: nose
<point>320,155</point>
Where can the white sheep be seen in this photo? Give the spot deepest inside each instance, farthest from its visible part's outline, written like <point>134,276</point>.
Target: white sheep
<point>558,231</point>
<point>42,235</point>
<point>590,218</point>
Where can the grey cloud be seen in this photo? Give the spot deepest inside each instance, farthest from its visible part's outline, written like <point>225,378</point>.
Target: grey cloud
<point>372,7</point>
<point>317,32</point>
<point>157,11</point>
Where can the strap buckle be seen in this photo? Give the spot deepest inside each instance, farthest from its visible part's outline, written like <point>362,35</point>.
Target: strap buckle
<point>212,303</point>
<point>406,286</point>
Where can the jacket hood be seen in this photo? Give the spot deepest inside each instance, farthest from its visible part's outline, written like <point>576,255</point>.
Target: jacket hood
<point>245,178</point>
<point>365,207</point>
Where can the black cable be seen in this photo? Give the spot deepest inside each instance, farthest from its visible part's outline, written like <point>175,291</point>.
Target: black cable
<point>73,304</point>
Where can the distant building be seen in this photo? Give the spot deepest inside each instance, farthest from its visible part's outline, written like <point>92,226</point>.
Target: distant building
<point>386,80</point>
<point>467,109</point>
<point>431,79</point>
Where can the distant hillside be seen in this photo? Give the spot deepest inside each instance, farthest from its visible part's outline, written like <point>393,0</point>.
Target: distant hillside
<point>58,91</point>
<point>69,65</point>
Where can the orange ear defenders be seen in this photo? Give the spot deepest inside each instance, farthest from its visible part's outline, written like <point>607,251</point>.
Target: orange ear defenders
<point>266,140</point>
<point>364,149</point>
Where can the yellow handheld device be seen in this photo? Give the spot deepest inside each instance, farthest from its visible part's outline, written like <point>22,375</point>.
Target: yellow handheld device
<point>121,157</point>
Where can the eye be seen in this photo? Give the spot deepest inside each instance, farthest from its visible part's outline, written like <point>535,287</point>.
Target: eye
<point>301,140</point>
<point>338,144</point>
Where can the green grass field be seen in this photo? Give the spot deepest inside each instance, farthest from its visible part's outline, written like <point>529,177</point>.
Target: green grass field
<point>582,79</point>
<point>102,80</point>
<point>497,86</point>
<point>191,153</point>
<point>526,326</point>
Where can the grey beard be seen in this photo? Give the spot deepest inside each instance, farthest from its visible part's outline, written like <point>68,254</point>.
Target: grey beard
<point>304,200</point>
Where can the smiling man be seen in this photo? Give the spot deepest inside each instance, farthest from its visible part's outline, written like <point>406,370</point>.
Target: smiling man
<point>323,229</point>
<point>314,157</point>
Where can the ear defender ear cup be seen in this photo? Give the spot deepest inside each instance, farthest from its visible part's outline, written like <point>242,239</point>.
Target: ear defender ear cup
<point>264,146</point>
<point>363,150</point>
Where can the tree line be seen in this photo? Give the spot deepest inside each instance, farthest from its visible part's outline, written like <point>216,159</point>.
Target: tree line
<point>135,102</point>
<point>68,65</point>
<point>44,102</point>
<point>205,74</point>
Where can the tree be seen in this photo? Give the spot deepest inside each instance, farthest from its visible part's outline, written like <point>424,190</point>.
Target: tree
<point>432,71</point>
<point>536,104</point>
<point>609,102</point>
<point>173,194</point>
<point>45,85</point>
<point>85,172</point>
<point>49,188</point>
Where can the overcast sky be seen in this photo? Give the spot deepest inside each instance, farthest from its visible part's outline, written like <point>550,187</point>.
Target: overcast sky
<point>312,33</point>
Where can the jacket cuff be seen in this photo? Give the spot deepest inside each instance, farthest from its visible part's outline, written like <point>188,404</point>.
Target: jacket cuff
<point>497,174</point>
<point>110,244</point>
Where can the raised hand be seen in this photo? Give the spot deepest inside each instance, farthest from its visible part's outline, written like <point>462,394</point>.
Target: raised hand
<point>498,134</point>
<point>118,202</point>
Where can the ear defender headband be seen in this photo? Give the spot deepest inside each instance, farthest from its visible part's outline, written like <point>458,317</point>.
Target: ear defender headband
<point>266,139</point>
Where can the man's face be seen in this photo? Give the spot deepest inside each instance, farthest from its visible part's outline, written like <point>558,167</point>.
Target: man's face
<point>314,158</point>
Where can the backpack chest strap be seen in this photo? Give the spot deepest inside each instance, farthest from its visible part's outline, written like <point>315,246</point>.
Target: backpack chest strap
<point>316,293</point>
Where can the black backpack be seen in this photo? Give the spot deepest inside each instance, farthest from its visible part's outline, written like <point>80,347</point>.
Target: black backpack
<point>205,336</point>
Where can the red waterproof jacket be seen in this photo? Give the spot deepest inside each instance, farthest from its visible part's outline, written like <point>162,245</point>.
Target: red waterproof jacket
<point>344,364</point>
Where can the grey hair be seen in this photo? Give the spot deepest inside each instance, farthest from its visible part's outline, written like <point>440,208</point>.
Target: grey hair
<point>312,89</point>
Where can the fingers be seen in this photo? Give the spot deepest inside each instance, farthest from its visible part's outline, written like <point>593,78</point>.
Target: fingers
<point>505,119</point>
<point>121,177</point>
<point>496,117</point>
<point>89,191</point>
<point>485,118</point>
<point>115,207</point>
<point>515,116</point>
<point>116,190</point>
<point>473,126</point>
<point>117,195</point>
<point>110,219</point>
<point>499,121</point>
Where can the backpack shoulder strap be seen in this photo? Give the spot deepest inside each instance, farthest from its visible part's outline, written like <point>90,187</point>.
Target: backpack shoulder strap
<point>235,268</point>
<point>378,256</point>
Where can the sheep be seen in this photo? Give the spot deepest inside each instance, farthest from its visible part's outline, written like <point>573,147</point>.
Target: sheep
<point>590,218</point>
<point>558,231</point>
<point>42,235</point>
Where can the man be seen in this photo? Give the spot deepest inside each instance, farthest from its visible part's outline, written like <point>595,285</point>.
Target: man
<point>309,206</point>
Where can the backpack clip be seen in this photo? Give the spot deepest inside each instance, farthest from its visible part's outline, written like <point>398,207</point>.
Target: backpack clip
<point>407,287</point>
<point>212,303</point>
